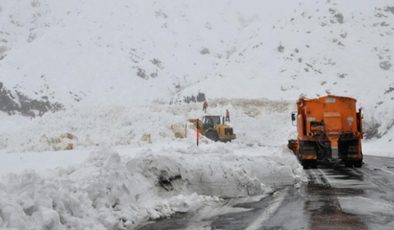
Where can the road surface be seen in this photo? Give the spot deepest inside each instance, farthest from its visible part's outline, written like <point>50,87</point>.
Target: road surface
<point>335,197</point>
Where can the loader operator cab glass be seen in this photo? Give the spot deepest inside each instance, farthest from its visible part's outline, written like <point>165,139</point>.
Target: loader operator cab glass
<point>216,120</point>
<point>211,121</point>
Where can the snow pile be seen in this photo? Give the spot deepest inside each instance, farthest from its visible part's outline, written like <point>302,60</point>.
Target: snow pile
<point>105,126</point>
<point>365,206</point>
<point>254,121</point>
<point>156,172</point>
<point>110,191</point>
<point>104,193</point>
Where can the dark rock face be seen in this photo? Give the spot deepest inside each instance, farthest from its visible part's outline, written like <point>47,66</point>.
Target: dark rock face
<point>371,129</point>
<point>17,102</point>
<point>200,97</point>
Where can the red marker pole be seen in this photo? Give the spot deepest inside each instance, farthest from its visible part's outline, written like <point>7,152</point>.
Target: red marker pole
<point>198,134</point>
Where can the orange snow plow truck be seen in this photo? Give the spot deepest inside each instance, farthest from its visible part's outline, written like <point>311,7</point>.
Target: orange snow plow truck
<point>329,129</point>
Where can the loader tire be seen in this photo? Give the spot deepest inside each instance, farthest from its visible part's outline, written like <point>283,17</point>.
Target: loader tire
<point>212,134</point>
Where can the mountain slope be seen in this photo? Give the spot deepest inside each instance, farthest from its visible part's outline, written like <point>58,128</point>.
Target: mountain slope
<point>131,52</point>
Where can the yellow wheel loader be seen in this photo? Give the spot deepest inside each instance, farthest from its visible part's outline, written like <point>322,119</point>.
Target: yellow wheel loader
<point>213,127</point>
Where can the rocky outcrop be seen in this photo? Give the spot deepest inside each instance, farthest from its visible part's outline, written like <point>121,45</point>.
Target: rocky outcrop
<point>12,102</point>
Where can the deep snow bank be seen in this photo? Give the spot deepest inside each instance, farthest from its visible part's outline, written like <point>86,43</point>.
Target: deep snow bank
<point>258,121</point>
<point>155,174</point>
<point>112,191</point>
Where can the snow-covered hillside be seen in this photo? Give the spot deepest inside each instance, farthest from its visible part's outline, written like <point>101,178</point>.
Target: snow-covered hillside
<point>133,52</point>
<point>116,81</point>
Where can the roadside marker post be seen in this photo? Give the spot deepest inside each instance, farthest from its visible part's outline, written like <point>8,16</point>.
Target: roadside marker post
<point>198,134</point>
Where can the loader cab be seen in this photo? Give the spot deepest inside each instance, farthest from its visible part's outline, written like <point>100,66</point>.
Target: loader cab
<point>210,121</point>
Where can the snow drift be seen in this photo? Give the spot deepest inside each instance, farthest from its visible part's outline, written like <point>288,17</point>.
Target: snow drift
<point>110,191</point>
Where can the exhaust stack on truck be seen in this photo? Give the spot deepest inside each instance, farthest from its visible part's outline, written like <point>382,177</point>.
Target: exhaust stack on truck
<point>329,129</point>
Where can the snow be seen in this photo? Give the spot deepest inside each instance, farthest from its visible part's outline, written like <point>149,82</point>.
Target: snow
<point>141,125</point>
<point>381,146</point>
<point>122,70</point>
<point>365,206</point>
<point>109,189</point>
<point>117,177</point>
<point>99,55</point>
<point>90,51</point>
<point>40,161</point>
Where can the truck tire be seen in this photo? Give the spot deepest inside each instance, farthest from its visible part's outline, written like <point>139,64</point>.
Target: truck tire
<point>314,164</point>
<point>349,164</point>
<point>358,164</point>
<point>212,134</point>
<point>306,164</point>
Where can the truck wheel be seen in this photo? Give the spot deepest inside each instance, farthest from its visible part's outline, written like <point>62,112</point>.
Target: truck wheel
<point>358,164</point>
<point>314,164</point>
<point>349,164</point>
<point>305,164</point>
<point>212,134</point>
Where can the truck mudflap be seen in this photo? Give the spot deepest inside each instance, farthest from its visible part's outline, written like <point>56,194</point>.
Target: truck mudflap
<point>307,150</point>
<point>349,148</point>
<point>307,147</point>
<point>307,154</point>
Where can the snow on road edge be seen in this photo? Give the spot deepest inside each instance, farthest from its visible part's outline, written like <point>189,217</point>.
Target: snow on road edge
<point>115,191</point>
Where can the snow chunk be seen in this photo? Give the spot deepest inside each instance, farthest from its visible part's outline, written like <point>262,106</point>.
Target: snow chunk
<point>364,206</point>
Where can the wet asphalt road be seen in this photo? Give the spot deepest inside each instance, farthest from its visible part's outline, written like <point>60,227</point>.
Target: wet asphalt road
<point>335,197</point>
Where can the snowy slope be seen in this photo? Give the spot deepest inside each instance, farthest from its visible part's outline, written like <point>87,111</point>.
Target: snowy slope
<point>98,49</point>
<point>116,74</point>
<point>132,52</point>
